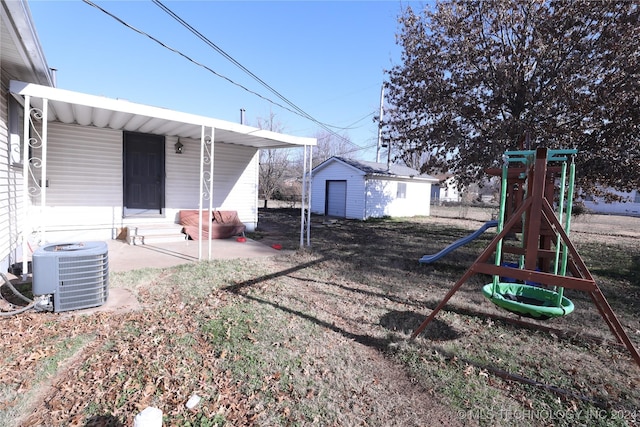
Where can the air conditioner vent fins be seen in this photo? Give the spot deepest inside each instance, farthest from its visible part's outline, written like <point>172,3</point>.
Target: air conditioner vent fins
<point>76,274</point>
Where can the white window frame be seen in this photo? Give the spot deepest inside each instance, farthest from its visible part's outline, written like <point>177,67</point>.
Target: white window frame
<point>401,192</point>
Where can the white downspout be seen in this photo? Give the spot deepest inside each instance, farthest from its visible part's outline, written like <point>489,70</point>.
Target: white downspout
<point>366,197</point>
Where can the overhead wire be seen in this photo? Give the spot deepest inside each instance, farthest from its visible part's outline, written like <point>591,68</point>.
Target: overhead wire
<point>293,108</point>
<point>230,58</point>
<point>202,37</point>
<point>188,58</point>
<point>366,147</point>
<point>360,119</point>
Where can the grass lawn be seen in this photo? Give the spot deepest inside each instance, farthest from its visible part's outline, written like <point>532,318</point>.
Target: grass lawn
<point>320,337</point>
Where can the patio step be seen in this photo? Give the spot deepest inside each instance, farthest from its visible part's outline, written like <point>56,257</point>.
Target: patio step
<point>146,234</point>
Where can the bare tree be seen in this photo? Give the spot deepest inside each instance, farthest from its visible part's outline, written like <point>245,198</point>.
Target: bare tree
<point>414,158</point>
<point>274,163</point>
<point>332,144</point>
<point>478,76</point>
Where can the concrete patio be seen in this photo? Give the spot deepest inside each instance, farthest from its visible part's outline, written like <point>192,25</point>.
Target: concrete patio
<point>125,257</point>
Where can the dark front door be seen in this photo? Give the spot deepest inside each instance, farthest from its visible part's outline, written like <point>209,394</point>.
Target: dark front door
<point>143,172</point>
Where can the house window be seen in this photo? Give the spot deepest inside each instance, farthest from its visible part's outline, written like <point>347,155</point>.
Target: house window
<point>16,132</point>
<point>402,190</point>
<point>637,198</point>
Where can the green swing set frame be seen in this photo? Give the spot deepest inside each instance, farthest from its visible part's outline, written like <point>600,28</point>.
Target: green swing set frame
<point>547,260</point>
<point>525,299</point>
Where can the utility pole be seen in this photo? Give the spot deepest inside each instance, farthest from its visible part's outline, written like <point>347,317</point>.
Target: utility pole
<point>380,125</point>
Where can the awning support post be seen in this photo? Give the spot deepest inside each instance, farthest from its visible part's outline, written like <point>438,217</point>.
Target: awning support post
<point>25,186</point>
<point>305,209</point>
<point>206,186</point>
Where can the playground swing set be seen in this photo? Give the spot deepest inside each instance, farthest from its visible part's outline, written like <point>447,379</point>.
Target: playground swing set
<point>529,279</point>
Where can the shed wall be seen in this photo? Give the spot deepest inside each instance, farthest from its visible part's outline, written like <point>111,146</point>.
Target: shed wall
<point>355,189</point>
<point>383,200</point>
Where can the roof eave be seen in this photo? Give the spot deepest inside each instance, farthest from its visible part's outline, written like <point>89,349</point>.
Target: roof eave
<point>25,38</point>
<point>403,177</point>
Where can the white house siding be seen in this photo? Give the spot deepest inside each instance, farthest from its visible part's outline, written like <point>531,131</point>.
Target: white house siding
<point>382,198</point>
<point>235,179</point>
<point>5,223</point>
<point>183,175</point>
<point>630,207</point>
<point>10,189</point>
<point>418,201</point>
<point>85,194</point>
<point>449,191</point>
<point>239,167</point>
<point>355,189</point>
<point>84,173</point>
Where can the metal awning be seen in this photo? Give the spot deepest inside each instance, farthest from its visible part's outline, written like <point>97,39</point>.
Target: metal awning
<point>90,110</point>
<point>58,105</point>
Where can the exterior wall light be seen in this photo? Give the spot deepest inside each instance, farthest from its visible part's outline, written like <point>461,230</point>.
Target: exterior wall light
<point>179,147</point>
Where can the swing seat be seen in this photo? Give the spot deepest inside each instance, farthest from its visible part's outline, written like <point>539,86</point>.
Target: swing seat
<point>529,301</point>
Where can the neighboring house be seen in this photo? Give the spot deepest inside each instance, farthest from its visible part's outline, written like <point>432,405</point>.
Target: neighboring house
<point>76,167</point>
<point>445,190</point>
<point>355,189</point>
<point>631,205</point>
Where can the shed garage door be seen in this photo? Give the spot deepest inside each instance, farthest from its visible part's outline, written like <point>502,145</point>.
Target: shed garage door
<point>336,199</point>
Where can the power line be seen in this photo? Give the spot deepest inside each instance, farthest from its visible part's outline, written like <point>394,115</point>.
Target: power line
<point>231,59</point>
<point>294,109</point>
<point>211,44</point>
<point>90,3</point>
<point>359,120</point>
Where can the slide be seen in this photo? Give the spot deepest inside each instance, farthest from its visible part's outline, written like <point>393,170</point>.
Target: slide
<point>427,259</point>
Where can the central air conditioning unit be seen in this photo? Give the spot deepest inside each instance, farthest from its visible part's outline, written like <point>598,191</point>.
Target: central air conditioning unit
<point>74,275</point>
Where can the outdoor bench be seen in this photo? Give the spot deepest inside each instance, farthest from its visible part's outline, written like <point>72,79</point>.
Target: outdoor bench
<point>223,225</point>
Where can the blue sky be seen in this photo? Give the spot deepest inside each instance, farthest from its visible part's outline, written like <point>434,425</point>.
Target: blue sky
<point>326,57</point>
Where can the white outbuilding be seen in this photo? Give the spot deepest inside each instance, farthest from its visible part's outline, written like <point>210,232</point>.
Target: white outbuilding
<point>355,189</point>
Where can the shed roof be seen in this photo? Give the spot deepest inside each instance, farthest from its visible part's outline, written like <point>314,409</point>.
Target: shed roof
<point>379,169</point>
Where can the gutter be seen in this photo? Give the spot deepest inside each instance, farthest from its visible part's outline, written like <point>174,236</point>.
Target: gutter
<point>407,178</point>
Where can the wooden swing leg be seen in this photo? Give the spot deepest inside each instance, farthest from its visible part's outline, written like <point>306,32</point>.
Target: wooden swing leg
<point>484,256</point>
<point>614,324</point>
<point>442,303</point>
